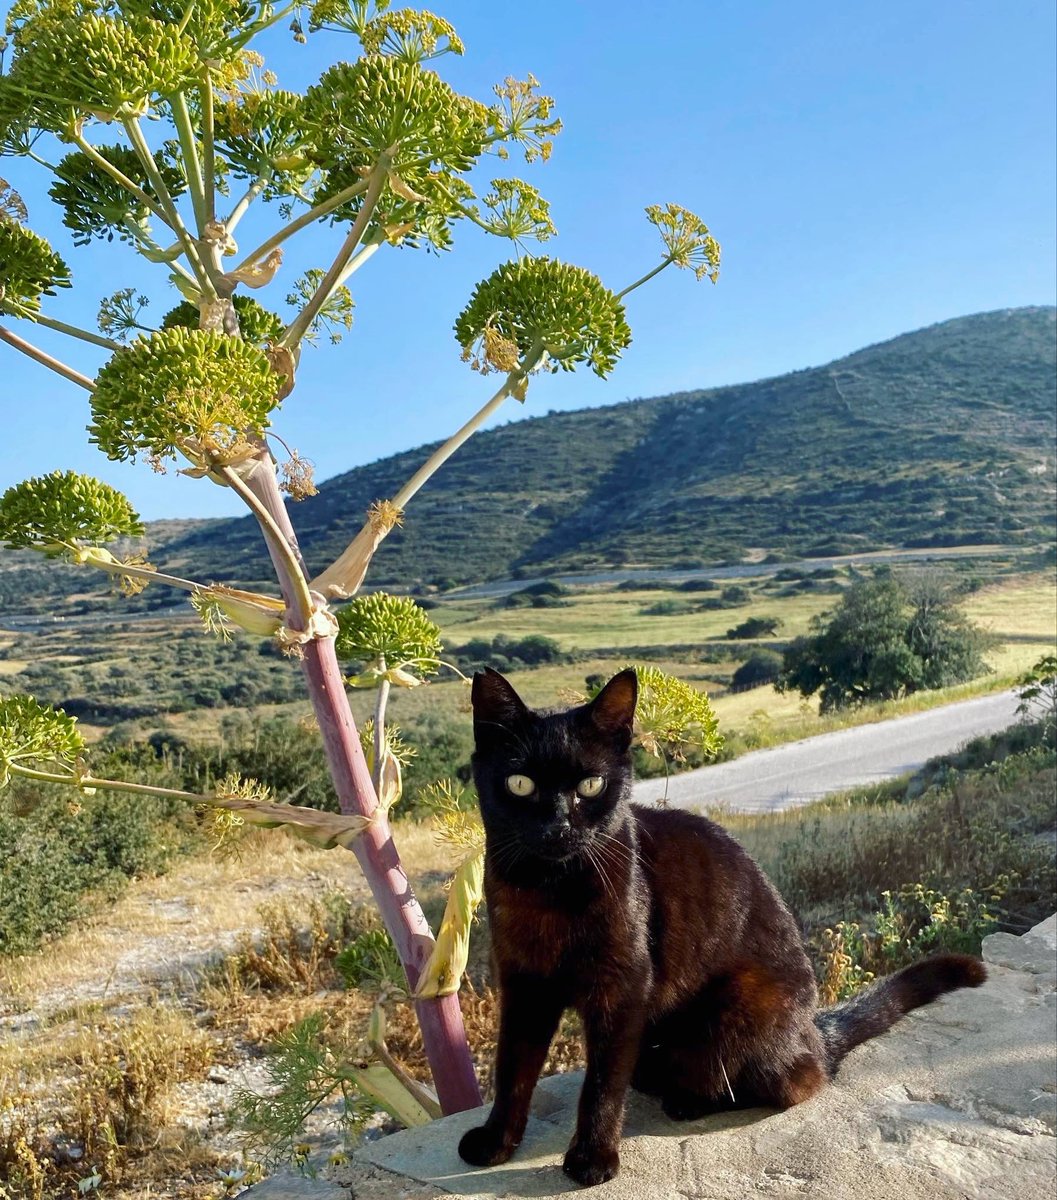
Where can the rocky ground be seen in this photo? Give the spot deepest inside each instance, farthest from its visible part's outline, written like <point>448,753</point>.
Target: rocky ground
<point>958,1102</point>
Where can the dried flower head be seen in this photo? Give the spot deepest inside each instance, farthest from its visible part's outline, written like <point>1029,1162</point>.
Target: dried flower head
<point>298,477</point>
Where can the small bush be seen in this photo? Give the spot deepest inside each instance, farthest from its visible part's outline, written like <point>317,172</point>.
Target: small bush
<point>667,608</point>
<point>754,627</point>
<point>762,666</point>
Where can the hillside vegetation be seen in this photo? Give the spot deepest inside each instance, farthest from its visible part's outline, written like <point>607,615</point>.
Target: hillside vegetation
<point>941,437</point>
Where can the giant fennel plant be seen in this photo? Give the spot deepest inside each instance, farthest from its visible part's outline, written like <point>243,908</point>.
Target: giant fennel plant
<point>160,127</point>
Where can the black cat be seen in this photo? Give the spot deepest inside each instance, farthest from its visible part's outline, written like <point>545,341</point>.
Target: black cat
<point>682,960</point>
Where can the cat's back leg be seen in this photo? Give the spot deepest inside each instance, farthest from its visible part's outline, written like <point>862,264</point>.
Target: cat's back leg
<point>747,1039</point>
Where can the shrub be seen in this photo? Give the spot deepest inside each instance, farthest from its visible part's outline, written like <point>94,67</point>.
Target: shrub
<point>754,627</point>
<point>666,608</point>
<point>762,666</point>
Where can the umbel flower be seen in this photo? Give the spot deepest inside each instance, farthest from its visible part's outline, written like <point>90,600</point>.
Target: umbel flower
<point>392,635</point>
<point>36,736</point>
<point>72,62</point>
<point>183,390</point>
<point>687,239</point>
<point>381,105</point>
<point>540,302</point>
<point>673,716</point>
<point>96,205</point>
<point>29,269</point>
<point>51,512</point>
<point>262,136</point>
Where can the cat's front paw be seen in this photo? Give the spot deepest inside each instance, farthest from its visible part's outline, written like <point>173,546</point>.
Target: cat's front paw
<point>484,1147</point>
<point>589,1165</point>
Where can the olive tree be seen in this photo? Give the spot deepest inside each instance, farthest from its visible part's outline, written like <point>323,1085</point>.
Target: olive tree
<point>159,127</point>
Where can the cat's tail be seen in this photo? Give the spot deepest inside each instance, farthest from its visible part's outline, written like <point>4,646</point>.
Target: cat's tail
<point>879,1006</point>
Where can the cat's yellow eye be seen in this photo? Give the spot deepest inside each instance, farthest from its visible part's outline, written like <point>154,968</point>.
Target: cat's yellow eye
<point>590,787</point>
<point>520,785</point>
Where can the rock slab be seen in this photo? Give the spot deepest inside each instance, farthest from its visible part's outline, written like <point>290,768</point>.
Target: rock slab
<point>957,1102</point>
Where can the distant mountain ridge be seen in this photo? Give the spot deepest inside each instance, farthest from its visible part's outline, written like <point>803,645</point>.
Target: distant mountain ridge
<point>943,436</point>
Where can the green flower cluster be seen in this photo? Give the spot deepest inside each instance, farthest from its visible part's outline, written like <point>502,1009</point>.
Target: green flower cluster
<point>672,715</point>
<point>65,508</point>
<point>518,212</point>
<point>75,59</point>
<point>183,390</point>
<point>410,35</point>
<point>336,314</point>
<point>687,239</point>
<point>262,135</point>
<point>394,630</point>
<point>35,736</point>
<point>542,302</point>
<point>381,105</point>
<point>96,205</point>
<point>29,269</point>
<point>256,323</point>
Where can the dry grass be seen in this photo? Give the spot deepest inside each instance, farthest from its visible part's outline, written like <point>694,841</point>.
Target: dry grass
<point>115,1025</point>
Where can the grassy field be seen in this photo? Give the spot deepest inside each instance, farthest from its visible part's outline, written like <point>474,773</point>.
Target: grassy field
<point>601,628</point>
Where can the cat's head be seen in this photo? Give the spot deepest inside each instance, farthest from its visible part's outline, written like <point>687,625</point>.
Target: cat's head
<point>552,786</point>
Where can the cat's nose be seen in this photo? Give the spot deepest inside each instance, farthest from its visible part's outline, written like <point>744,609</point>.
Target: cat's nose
<point>560,830</point>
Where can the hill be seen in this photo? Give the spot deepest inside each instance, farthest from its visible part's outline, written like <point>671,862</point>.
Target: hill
<point>941,437</point>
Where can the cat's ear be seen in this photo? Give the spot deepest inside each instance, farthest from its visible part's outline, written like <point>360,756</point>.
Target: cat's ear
<point>613,709</point>
<point>496,706</point>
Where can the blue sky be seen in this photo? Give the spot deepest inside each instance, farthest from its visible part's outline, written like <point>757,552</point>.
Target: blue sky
<point>868,168</point>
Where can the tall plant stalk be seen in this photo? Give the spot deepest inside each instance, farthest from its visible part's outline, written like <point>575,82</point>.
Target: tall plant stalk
<point>443,1033</point>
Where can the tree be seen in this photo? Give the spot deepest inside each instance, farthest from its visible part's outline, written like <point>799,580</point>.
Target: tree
<point>888,637</point>
<point>145,115</point>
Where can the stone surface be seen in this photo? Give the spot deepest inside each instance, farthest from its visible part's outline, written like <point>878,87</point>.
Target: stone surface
<point>957,1102</point>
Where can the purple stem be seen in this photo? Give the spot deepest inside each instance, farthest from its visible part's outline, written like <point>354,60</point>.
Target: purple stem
<point>440,1019</point>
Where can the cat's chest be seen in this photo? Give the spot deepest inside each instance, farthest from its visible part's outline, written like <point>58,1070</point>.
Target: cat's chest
<point>534,937</point>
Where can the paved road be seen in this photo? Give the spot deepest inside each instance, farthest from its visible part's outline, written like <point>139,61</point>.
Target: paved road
<point>799,772</point>
<point>504,587</point>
